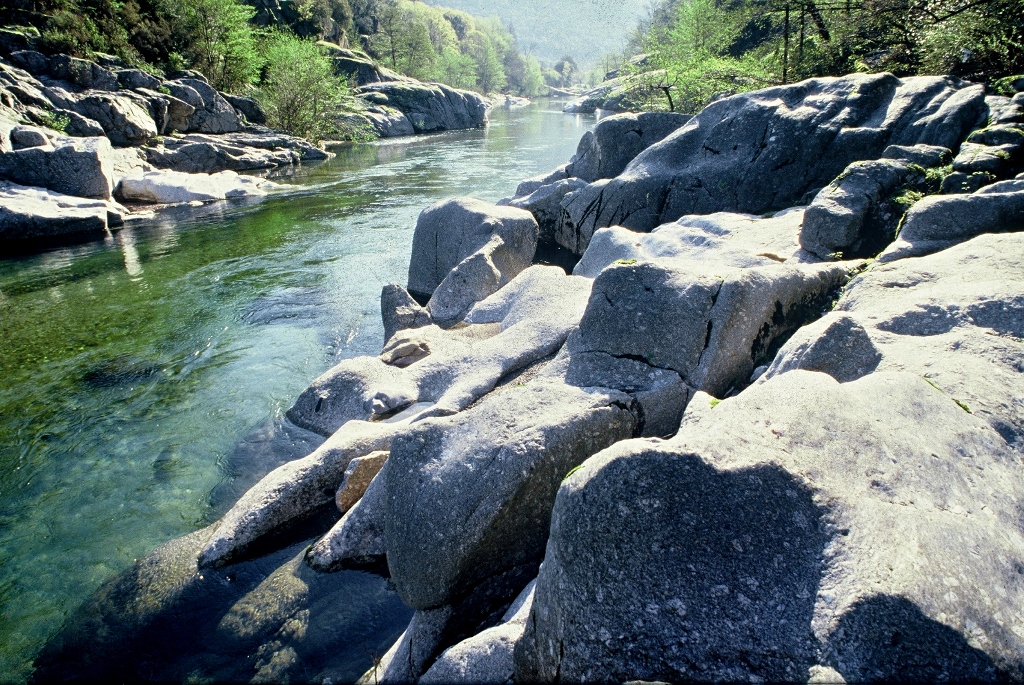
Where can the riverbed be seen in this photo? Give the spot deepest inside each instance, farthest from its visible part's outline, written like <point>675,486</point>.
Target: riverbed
<point>132,369</point>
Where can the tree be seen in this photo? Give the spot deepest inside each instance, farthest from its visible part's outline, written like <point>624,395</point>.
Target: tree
<point>299,90</point>
<point>221,42</point>
<point>490,75</point>
<point>456,69</point>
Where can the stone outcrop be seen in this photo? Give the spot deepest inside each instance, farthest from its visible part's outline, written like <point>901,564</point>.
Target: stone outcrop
<point>938,222</point>
<point>453,232</point>
<point>28,213</point>
<point>857,215</point>
<point>75,166</point>
<point>723,453</point>
<point>545,204</point>
<point>429,107</point>
<point>693,559</point>
<point>95,108</point>
<point>447,370</point>
<point>716,240</point>
<point>174,187</point>
<point>617,140</point>
<point>732,156</point>
<point>935,316</point>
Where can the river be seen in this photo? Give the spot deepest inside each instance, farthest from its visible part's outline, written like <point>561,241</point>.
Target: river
<point>131,369</point>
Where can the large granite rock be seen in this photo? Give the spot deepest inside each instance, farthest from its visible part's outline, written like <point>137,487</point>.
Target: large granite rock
<point>75,166</point>
<point>722,239</point>
<point>856,215</point>
<point>954,317</point>
<point>864,531</point>
<point>736,155</point>
<point>712,325</point>
<point>940,221</point>
<point>35,213</point>
<point>605,151</point>
<point>430,106</point>
<point>82,72</point>
<point>292,492</point>
<point>448,370</point>
<point>388,122</point>
<point>249,107</point>
<point>125,121</point>
<point>198,153</point>
<point>427,372</point>
<point>469,496</point>
<point>545,203</point>
<point>213,114</point>
<point>173,187</point>
<point>451,231</point>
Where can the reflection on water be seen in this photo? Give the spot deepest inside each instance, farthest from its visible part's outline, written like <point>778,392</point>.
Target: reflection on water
<point>131,369</point>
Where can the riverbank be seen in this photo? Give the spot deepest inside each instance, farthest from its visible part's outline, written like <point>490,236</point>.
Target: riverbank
<point>117,437</point>
<point>80,140</point>
<point>764,425</point>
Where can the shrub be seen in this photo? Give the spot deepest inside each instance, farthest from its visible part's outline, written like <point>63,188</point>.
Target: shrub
<point>299,90</point>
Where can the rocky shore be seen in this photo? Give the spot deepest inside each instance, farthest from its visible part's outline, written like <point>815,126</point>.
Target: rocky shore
<point>78,138</point>
<point>769,428</point>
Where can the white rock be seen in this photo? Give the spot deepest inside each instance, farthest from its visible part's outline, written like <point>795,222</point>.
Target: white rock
<point>174,187</point>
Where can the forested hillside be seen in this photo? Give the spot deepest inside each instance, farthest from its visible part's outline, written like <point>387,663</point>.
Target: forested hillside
<point>688,51</point>
<point>230,41</point>
<point>585,30</point>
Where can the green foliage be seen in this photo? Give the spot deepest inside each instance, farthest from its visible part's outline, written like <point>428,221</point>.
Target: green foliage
<point>222,44</point>
<point>573,470</point>
<point>440,44</point>
<point>299,90</point>
<point>908,197</point>
<point>698,49</point>
<point>714,402</point>
<point>58,122</point>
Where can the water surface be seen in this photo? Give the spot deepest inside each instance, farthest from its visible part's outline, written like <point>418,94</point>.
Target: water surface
<point>131,369</point>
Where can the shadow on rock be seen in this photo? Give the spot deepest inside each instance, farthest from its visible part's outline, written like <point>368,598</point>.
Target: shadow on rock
<point>661,567</point>
<point>163,621</point>
<point>888,638</point>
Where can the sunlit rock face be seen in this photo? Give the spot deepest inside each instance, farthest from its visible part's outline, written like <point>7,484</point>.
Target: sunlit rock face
<point>768,149</point>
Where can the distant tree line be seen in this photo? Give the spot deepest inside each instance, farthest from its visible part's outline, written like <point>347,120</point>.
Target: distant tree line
<point>686,52</point>
<point>220,37</point>
<point>274,49</point>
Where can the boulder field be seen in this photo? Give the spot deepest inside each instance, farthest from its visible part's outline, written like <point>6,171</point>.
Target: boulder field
<point>79,129</point>
<point>770,427</point>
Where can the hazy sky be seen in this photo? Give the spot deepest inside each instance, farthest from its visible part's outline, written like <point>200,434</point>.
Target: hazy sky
<point>584,29</point>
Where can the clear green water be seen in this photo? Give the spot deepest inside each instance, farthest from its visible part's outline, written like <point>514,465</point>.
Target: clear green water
<point>131,369</point>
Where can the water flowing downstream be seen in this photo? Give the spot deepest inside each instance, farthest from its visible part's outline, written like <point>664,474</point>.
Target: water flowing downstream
<point>131,369</point>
